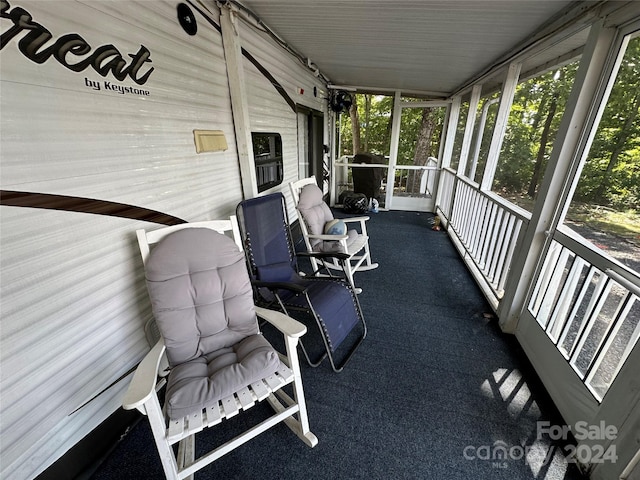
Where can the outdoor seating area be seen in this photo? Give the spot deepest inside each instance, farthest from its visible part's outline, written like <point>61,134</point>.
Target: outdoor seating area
<point>435,391</point>
<point>379,240</point>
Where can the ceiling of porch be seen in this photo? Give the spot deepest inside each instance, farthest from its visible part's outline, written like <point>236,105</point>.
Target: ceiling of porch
<point>435,47</point>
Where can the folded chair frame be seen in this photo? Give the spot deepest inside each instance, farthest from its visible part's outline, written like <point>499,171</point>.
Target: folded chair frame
<point>294,297</point>
<point>289,309</point>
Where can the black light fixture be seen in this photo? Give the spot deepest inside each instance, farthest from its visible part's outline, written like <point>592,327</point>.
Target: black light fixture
<point>187,19</point>
<point>341,101</point>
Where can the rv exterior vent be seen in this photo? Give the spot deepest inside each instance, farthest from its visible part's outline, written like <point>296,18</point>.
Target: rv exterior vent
<point>187,19</point>
<point>209,141</point>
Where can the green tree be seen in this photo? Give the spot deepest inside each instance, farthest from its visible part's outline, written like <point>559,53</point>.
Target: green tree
<point>534,119</point>
<point>422,149</point>
<point>369,126</point>
<point>611,174</point>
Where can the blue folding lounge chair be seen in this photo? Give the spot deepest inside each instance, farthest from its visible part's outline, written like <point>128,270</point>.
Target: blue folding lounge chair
<point>328,302</point>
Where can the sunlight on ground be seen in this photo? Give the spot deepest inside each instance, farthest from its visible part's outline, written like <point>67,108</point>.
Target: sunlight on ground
<point>545,460</point>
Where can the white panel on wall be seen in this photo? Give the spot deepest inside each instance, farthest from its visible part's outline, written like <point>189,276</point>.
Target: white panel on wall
<point>74,305</point>
<point>73,296</point>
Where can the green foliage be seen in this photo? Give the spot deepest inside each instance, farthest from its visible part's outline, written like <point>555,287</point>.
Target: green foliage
<point>611,174</point>
<point>374,131</point>
<point>410,126</point>
<point>537,101</point>
<point>375,128</point>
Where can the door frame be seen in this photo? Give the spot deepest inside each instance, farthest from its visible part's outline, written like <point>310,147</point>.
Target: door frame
<point>311,148</point>
<point>423,204</point>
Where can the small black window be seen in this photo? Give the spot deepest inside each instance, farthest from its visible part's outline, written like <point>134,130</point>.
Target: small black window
<point>267,153</point>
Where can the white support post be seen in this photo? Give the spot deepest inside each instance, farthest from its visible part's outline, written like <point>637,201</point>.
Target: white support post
<point>393,150</point>
<point>334,142</point>
<point>452,125</point>
<point>239,103</point>
<point>447,139</point>
<point>506,99</point>
<point>561,174</point>
<point>478,145</point>
<point>468,129</point>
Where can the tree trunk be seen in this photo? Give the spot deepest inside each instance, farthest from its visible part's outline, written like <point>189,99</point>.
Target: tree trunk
<point>387,139</point>
<point>623,135</point>
<point>423,150</point>
<point>367,121</point>
<point>541,108</point>
<point>544,139</point>
<point>355,127</point>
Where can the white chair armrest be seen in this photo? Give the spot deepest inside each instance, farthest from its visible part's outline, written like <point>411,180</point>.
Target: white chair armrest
<point>144,380</point>
<point>284,323</point>
<point>354,219</point>
<point>336,238</point>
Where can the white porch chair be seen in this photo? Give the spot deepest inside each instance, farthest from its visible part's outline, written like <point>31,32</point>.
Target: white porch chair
<point>314,214</point>
<point>219,363</point>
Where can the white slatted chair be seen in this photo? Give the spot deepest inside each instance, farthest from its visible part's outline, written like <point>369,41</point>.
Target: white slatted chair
<point>170,424</point>
<point>313,214</point>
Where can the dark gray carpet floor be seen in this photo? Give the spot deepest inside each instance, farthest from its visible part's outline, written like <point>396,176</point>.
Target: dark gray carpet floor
<point>436,391</point>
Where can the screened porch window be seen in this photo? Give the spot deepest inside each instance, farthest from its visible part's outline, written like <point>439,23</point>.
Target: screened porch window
<point>606,203</point>
<point>462,123</point>
<point>605,209</point>
<point>267,154</point>
<point>483,131</point>
<point>587,306</point>
<point>534,118</point>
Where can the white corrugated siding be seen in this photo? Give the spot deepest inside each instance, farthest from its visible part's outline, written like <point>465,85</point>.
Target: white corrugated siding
<point>74,300</point>
<point>268,110</point>
<point>90,137</point>
<point>73,296</point>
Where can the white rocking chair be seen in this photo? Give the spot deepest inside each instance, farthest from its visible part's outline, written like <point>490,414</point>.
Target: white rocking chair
<point>195,266</point>
<point>314,214</point>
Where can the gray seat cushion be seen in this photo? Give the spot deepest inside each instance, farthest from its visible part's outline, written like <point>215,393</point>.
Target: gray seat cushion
<point>316,213</point>
<point>203,304</point>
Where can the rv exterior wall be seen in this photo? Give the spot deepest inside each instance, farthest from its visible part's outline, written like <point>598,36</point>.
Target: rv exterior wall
<point>73,295</point>
<point>268,113</point>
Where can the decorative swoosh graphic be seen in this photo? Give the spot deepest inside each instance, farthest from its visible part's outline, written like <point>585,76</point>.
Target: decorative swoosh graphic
<point>279,88</point>
<point>85,205</point>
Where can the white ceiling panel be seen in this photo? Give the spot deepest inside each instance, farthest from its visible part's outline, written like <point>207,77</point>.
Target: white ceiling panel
<point>412,45</point>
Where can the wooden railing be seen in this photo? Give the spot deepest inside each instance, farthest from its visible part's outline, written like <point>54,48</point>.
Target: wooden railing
<point>484,228</point>
<point>589,307</point>
<point>587,303</point>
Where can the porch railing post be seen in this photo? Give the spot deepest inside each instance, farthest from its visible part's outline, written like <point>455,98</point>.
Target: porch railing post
<point>445,157</point>
<point>559,178</point>
<point>468,130</point>
<point>393,149</point>
<point>239,103</point>
<point>506,99</point>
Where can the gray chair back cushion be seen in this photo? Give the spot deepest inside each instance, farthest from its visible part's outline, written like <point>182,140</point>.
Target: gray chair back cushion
<point>316,213</point>
<point>202,301</point>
